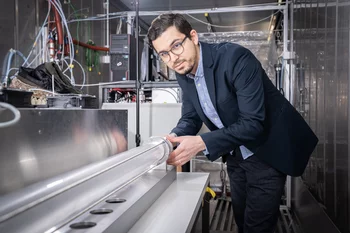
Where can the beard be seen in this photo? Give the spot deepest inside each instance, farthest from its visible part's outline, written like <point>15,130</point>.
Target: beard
<point>186,70</point>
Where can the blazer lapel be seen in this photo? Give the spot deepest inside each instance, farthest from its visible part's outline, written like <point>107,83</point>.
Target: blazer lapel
<point>207,59</point>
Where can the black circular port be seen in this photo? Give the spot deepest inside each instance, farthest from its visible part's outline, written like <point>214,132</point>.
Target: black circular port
<point>82,225</point>
<point>115,200</point>
<point>101,211</point>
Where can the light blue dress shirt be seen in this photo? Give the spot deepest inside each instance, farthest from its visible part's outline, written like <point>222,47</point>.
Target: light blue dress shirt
<point>207,105</point>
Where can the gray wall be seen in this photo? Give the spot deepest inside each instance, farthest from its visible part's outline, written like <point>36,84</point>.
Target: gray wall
<point>321,40</point>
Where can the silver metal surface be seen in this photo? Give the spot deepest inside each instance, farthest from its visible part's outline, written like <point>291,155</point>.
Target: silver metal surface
<point>138,195</point>
<point>175,211</point>
<point>321,42</point>
<point>46,143</point>
<point>71,194</point>
<point>310,213</point>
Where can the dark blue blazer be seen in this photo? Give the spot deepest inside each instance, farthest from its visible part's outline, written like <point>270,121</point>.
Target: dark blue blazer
<point>253,111</point>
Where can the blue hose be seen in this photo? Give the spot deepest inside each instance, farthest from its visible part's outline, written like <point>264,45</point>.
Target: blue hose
<point>4,66</point>
<point>9,62</point>
<point>21,55</point>
<point>11,53</point>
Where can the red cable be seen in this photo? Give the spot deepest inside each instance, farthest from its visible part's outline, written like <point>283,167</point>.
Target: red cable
<point>90,46</point>
<point>58,26</point>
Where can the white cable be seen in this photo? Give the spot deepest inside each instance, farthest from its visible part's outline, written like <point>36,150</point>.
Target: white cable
<point>94,19</point>
<point>68,67</point>
<point>74,12</point>
<point>174,95</point>
<point>14,111</point>
<point>99,84</point>
<point>12,69</point>
<point>233,26</point>
<point>71,48</point>
<point>64,21</point>
<point>84,77</point>
<point>68,77</point>
<point>39,33</point>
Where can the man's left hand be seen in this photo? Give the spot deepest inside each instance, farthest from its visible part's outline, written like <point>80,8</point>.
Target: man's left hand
<point>188,147</point>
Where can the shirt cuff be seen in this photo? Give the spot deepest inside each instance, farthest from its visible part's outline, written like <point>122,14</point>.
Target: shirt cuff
<point>206,152</point>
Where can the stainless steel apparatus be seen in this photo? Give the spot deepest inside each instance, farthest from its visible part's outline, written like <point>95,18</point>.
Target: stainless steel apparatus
<point>69,171</point>
<point>56,204</point>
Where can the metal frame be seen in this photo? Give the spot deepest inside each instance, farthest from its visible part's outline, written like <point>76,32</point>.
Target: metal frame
<point>214,10</point>
<point>285,51</point>
<point>131,84</point>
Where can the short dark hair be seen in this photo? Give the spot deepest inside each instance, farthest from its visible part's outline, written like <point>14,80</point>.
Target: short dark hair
<point>164,21</point>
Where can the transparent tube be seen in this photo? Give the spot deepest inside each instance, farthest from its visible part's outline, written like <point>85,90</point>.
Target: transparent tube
<point>97,181</point>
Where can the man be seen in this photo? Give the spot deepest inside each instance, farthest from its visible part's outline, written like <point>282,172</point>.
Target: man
<point>252,125</point>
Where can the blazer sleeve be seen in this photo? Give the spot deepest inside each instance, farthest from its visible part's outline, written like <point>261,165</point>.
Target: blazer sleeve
<point>189,123</point>
<point>246,77</point>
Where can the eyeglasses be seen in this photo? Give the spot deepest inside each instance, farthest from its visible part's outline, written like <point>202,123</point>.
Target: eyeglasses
<point>176,49</point>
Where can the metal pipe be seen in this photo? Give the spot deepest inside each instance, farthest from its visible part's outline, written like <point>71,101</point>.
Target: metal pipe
<point>291,80</point>
<point>348,115</point>
<point>17,26</point>
<point>325,139</point>
<point>37,30</point>
<point>285,29</point>
<point>106,176</point>
<point>107,31</point>
<point>267,7</point>
<point>138,83</point>
<point>291,62</point>
<point>336,83</point>
<point>319,4</point>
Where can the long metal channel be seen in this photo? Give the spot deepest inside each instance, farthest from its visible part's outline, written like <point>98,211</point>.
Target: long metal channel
<point>10,203</point>
<point>103,198</point>
<point>140,195</point>
<point>15,203</point>
<point>73,201</point>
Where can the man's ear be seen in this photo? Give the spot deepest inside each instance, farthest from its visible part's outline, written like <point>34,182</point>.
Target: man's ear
<point>194,36</point>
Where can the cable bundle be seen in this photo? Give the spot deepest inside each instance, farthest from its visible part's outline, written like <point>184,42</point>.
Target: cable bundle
<point>47,76</point>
